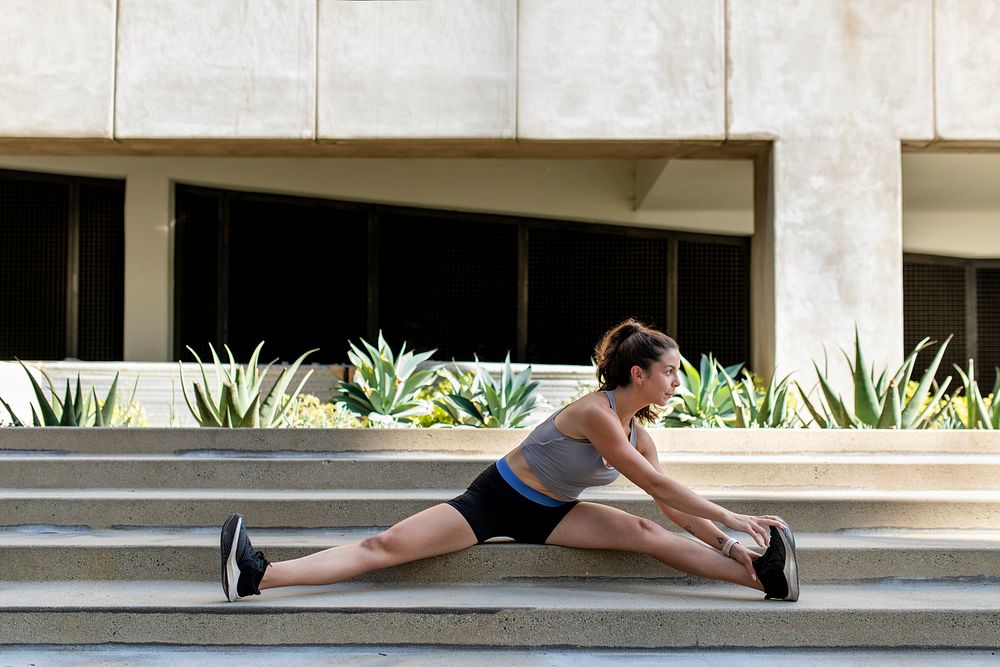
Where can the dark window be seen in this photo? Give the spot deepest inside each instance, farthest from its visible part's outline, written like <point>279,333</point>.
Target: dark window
<point>196,271</point>
<point>40,216</point>
<point>582,283</point>
<point>988,315</point>
<point>713,295</point>
<point>948,295</point>
<point>296,277</point>
<point>448,283</point>
<point>102,271</point>
<point>303,273</point>
<point>286,270</point>
<point>934,298</point>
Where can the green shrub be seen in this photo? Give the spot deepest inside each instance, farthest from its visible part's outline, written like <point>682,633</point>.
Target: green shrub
<point>307,411</point>
<point>236,401</point>
<point>757,407</point>
<point>385,386</point>
<point>880,403</point>
<point>446,382</point>
<point>979,412</point>
<point>703,399</point>
<point>488,402</point>
<point>78,407</point>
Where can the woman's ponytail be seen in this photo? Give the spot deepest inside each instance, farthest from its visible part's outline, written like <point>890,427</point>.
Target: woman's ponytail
<point>629,344</point>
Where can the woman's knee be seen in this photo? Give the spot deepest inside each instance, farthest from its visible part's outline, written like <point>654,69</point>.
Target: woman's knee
<point>647,532</point>
<point>384,547</point>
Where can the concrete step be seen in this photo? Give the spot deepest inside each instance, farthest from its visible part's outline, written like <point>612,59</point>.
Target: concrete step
<point>151,655</point>
<point>192,555</point>
<point>580,613</point>
<point>377,470</point>
<point>806,510</point>
<point>488,441</point>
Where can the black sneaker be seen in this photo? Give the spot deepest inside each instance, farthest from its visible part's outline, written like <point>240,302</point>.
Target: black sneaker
<point>242,567</point>
<point>778,568</point>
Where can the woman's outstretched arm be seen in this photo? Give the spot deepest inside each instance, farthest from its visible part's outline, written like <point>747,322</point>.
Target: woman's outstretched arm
<point>702,528</point>
<point>602,428</point>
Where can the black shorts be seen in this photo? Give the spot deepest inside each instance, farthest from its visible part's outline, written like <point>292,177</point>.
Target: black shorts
<point>495,509</point>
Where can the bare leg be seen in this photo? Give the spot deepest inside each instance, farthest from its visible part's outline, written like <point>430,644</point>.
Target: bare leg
<point>437,530</point>
<point>593,526</point>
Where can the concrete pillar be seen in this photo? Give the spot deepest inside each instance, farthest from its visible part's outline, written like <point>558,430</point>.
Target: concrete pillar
<point>836,84</point>
<point>148,270</point>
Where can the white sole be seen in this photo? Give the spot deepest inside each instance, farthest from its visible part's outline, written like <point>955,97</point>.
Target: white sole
<point>232,568</point>
<point>791,563</point>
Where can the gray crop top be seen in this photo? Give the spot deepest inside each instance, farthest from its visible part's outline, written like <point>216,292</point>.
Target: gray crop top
<point>567,466</point>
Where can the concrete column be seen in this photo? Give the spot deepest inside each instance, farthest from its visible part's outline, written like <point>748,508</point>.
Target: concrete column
<point>148,269</point>
<point>828,253</point>
<point>836,84</point>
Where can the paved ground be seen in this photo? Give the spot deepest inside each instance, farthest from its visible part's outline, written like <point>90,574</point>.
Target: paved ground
<point>370,656</point>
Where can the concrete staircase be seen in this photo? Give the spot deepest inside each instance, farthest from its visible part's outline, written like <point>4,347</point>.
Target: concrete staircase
<point>111,537</point>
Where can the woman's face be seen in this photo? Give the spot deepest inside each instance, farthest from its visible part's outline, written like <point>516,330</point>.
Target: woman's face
<point>662,381</point>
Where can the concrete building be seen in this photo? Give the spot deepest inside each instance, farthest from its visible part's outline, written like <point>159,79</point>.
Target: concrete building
<point>832,141</point>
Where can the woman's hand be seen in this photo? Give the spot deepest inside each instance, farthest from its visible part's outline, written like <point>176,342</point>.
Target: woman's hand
<point>757,527</point>
<point>745,557</point>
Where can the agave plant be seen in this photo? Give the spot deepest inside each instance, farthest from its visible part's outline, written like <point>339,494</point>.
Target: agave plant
<point>385,385</point>
<point>236,401</point>
<point>446,413</point>
<point>882,402</point>
<point>76,408</point>
<point>492,403</point>
<point>980,412</point>
<point>704,399</point>
<point>754,409</point>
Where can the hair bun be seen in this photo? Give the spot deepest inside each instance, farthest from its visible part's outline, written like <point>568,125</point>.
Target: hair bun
<point>627,328</point>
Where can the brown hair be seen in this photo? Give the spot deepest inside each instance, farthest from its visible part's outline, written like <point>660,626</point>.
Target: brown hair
<point>629,344</point>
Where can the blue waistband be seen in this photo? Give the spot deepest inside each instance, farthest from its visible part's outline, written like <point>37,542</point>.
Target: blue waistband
<point>522,488</point>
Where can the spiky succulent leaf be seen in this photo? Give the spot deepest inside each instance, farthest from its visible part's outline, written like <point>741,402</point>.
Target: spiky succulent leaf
<point>68,416</point>
<point>914,407</point>
<point>13,417</point>
<point>207,414</point>
<point>891,416</point>
<point>821,420</point>
<point>109,401</point>
<point>843,418</point>
<point>48,416</point>
<point>866,404</point>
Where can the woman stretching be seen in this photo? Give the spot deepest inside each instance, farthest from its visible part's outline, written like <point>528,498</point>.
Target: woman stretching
<point>531,495</point>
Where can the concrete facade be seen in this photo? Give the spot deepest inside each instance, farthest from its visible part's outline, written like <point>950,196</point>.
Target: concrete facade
<point>57,68</point>
<point>823,94</point>
<point>408,70</point>
<point>621,69</point>
<point>224,69</point>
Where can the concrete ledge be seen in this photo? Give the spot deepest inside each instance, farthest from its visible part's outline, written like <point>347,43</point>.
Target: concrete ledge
<point>414,470</point>
<point>192,555</point>
<point>808,511</point>
<point>486,441</point>
<point>571,613</point>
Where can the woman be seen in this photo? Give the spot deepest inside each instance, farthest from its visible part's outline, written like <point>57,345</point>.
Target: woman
<point>531,495</point>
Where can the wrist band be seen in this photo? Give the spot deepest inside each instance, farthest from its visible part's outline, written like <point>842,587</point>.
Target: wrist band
<point>728,547</point>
